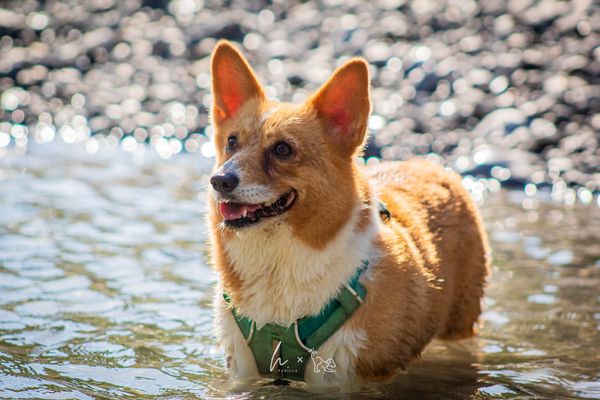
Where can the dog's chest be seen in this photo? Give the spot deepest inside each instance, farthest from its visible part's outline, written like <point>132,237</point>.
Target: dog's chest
<point>284,279</point>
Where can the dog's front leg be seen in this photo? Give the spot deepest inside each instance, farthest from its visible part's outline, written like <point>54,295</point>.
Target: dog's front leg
<point>240,360</point>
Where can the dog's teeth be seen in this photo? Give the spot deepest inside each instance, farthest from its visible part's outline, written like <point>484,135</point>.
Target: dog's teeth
<point>244,212</point>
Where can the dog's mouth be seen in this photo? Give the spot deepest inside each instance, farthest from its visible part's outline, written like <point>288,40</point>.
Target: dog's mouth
<point>237,215</point>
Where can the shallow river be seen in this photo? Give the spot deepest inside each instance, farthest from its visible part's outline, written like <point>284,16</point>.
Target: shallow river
<point>105,292</point>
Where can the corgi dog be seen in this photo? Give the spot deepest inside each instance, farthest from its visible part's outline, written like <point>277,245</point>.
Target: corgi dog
<point>329,271</point>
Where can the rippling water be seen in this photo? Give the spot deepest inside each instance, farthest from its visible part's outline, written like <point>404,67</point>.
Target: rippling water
<point>104,291</point>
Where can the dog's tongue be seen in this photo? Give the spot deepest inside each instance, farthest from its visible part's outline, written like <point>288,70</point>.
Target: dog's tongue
<point>231,211</point>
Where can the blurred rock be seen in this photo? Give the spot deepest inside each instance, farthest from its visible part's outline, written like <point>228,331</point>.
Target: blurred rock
<point>520,77</point>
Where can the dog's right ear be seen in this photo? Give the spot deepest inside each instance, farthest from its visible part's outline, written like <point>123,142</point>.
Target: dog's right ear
<point>233,81</point>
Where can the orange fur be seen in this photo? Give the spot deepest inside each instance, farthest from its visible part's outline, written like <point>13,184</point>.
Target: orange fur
<point>430,264</point>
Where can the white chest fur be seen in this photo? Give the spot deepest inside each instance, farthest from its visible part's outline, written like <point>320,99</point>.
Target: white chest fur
<point>283,279</point>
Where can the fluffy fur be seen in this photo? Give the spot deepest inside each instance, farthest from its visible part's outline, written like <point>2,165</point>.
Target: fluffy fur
<point>428,264</point>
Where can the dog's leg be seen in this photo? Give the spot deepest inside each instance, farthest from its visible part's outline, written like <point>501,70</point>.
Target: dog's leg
<point>472,269</point>
<point>240,359</point>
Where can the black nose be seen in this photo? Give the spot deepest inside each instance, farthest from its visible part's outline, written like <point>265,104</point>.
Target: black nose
<point>224,183</point>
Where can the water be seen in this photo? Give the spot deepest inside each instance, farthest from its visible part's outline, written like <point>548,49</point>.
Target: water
<point>105,291</point>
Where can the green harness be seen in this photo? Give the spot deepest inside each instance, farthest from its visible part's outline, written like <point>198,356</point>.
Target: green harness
<point>284,352</point>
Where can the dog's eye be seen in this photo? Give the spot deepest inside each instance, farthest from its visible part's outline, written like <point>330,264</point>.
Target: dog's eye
<point>282,149</point>
<point>231,142</point>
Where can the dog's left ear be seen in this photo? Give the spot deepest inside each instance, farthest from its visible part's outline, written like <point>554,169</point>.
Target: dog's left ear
<point>233,81</point>
<point>343,105</point>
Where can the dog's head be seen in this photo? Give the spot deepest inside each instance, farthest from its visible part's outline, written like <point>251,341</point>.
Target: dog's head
<point>283,162</point>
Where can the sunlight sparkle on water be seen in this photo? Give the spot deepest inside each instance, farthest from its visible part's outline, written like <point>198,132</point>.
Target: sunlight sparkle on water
<point>127,284</point>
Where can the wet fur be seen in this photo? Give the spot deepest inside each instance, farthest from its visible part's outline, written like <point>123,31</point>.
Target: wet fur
<point>428,264</point>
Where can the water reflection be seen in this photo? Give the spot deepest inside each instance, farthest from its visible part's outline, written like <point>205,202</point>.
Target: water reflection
<point>104,291</point>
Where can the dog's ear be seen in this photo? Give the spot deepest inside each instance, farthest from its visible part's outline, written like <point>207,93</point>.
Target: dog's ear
<point>233,81</point>
<point>343,105</point>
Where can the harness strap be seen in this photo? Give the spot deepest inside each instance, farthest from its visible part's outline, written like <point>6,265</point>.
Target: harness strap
<point>348,300</point>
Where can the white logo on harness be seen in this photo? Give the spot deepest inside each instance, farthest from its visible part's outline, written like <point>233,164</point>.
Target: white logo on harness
<point>319,365</point>
<point>275,361</point>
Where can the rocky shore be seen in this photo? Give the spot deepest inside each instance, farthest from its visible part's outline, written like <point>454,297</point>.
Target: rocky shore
<point>505,90</point>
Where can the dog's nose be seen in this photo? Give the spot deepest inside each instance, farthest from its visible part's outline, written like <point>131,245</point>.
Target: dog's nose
<point>224,183</point>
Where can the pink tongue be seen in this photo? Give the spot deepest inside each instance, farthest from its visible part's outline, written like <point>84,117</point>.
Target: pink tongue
<point>232,211</point>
